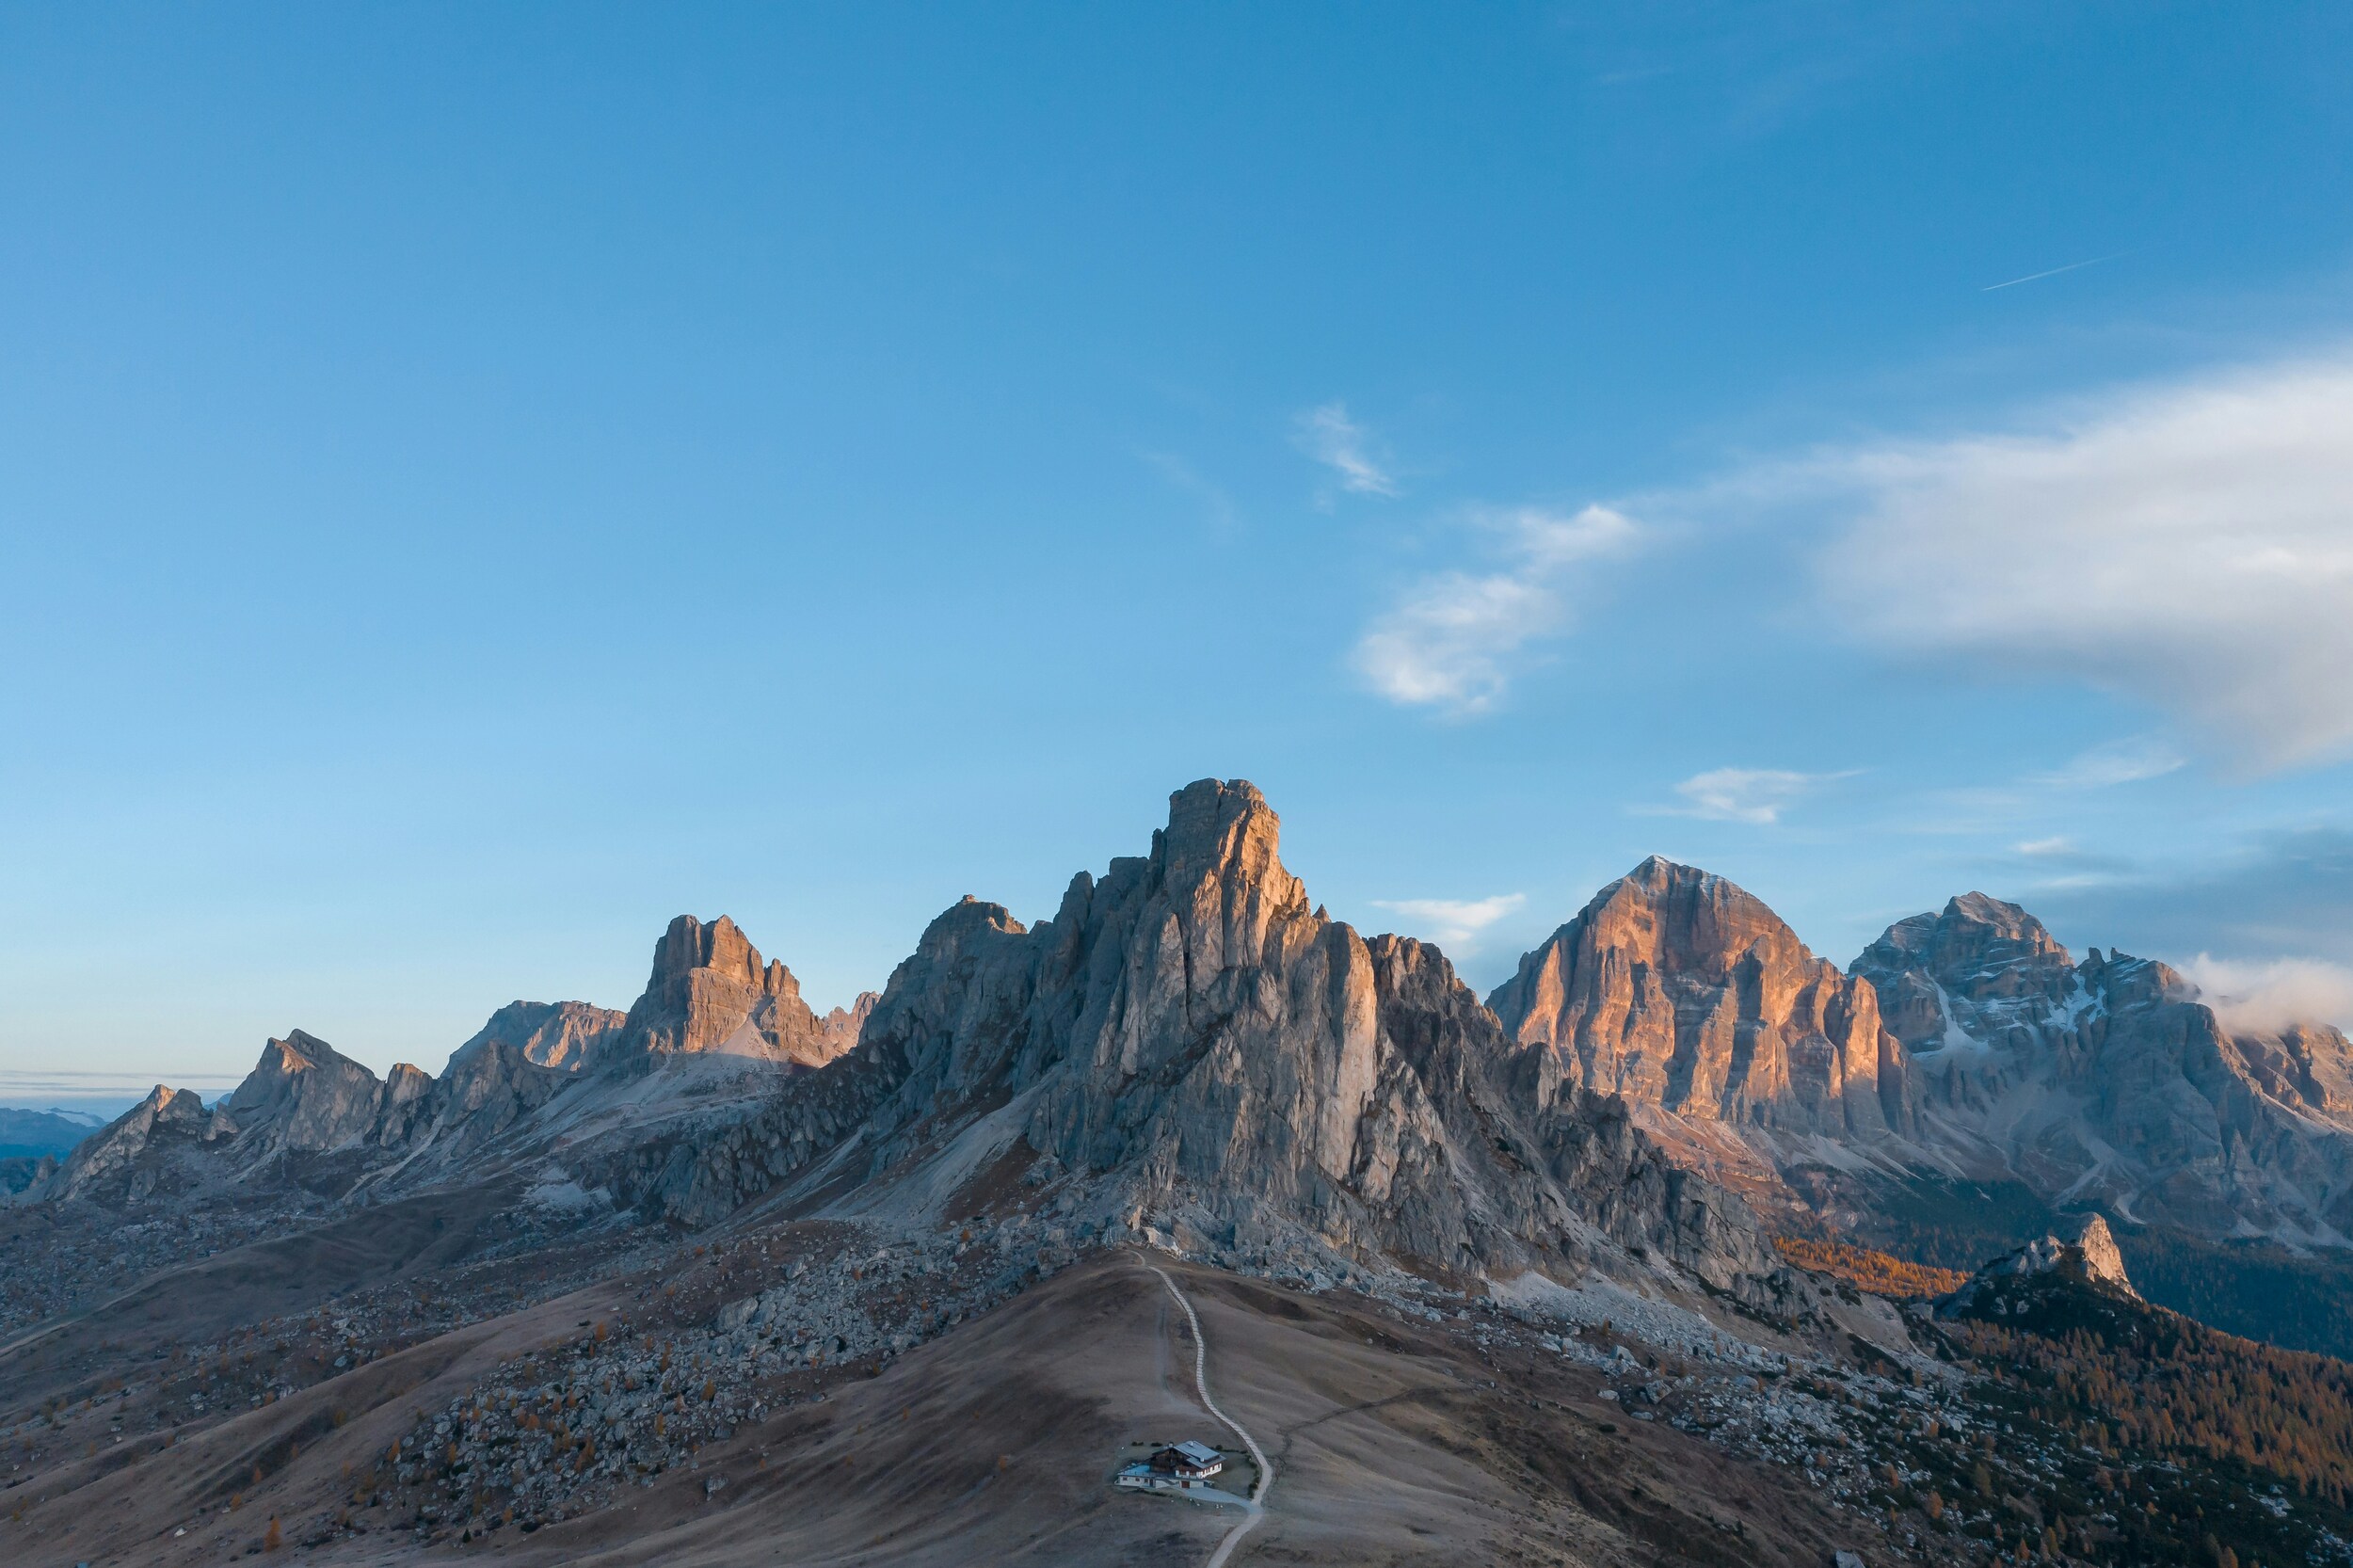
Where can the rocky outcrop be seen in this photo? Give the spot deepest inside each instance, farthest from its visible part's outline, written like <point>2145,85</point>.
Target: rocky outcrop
<point>487,1089</point>
<point>839,1030</point>
<point>2307,1063</point>
<point>2108,1082</point>
<point>2086,1257</point>
<point>712,991</point>
<point>547,1033</point>
<point>1675,989</point>
<point>155,1148</point>
<point>306,1097</point>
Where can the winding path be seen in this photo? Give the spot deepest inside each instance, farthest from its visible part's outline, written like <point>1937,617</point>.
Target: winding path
<point>1256,1500</point>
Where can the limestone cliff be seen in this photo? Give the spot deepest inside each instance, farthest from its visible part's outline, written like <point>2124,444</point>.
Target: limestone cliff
<point>2086,1258</point>
<point>1191,1041</point>
<point>712,991</point>
<point>1675,989</point>
<point>306,1097</point>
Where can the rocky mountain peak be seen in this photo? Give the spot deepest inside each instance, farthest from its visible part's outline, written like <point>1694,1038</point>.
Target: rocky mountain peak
<point>1678,990</point>
<point>1656,873</point>
<point>2111,1081</point>
<point>306,1096</point>
<point>1194,1041</point>
<point>2128,981</point>
<point>1221,829</point>
<point>1981,968</point>
<point>1220,865</point>
<point>120,1160</point>
<point>301,1051</point>
<point>1685,894</point>
<point>165,1103</point>
<point>1974,936</point>
<point>721,947</point>
<point>296,1071</point>
<point>710,990</point>
<point>2086,1255</point>
<point>1985,919</point>
<point>563,1034</point>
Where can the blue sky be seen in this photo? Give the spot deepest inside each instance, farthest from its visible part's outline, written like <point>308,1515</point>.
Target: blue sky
<point>476,481</point>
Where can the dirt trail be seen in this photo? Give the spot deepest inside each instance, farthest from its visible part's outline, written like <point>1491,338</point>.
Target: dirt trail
<point>1258,1490</point>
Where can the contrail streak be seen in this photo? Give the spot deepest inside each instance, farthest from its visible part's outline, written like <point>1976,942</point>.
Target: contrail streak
<point>2054,272</point>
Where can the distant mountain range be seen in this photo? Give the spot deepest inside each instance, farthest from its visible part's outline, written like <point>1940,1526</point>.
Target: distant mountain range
<point>34,1133</point>
<point>1211,1049</point>
<point>1216,1056</point>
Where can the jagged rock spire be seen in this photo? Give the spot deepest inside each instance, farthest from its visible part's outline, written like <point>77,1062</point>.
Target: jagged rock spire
<point>712,991</point>
<point>305,1095</point>
<point>2081,1252</point>
<point>1194,1034</point>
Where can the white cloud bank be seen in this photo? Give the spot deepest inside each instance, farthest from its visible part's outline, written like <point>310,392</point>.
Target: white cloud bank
<point>2191,546</point>
<point>1757,795</point>
<point>1453,641</point>
<point>1453,924</point>
<point>2270,996</point>
<point>1340,445</point>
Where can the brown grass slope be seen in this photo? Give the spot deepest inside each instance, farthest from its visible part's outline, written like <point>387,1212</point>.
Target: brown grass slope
<point>1396,1444</point>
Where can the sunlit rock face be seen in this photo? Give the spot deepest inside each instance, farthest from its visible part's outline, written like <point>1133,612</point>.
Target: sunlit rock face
<point>2086,1257</point>
<point>1965,1042</point>
<point>712,991</point>
<point>1675,989</point>
<point>1190,1034</point>
<point>308,1120</point>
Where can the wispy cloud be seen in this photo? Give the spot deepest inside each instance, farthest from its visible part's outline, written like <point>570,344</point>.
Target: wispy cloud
<point>1216,505</point>
<point>2116,762</point>
<point>2191,546</point>
<point>1453,924</point>
<point>1453,641</point>
<point>2271,994</point>
<point>1338,441</point>
<point>1757,795</point>
<point>2059,864</point>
